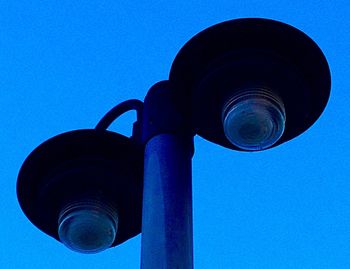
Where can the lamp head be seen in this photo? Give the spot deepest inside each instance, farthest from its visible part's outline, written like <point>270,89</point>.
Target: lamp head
<point>251,84</point>
<point>84,188</point>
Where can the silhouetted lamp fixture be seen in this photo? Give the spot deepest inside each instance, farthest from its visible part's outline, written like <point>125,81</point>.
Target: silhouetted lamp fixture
<point>84,187</point>
<point>245,84</point>
<point>252,84</point>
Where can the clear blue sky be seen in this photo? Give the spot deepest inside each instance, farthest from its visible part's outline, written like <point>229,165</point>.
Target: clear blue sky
<point>63,64</point>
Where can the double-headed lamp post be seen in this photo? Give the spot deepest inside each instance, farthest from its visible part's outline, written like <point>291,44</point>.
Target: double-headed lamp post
<point>245,84</point>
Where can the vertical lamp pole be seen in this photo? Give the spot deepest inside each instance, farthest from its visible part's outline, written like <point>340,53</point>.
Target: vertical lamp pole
<point>167,197</point>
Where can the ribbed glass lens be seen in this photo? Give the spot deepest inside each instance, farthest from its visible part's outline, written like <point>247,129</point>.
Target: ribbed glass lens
<point>88,226</point>
<point>254,120</point>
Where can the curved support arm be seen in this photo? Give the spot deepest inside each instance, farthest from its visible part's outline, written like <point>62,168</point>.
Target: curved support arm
<point>118,110</point>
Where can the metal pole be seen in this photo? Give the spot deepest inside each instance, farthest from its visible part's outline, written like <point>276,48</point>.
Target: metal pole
<point>167,237</point>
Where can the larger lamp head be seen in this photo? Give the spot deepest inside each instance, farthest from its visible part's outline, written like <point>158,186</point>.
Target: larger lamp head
<point>84,188</point>
<point>251,84</point>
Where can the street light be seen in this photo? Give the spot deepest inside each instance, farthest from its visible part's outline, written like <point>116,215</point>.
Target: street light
<point>84,187</point>
<point>246,84</point>
<point>252,62</point>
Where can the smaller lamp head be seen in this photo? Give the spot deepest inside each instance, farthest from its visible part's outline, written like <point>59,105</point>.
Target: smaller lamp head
<point>84,188</point>
<point>88,226</point>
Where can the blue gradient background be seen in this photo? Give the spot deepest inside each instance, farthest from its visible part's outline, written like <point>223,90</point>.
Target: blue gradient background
<point>63,64</point>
